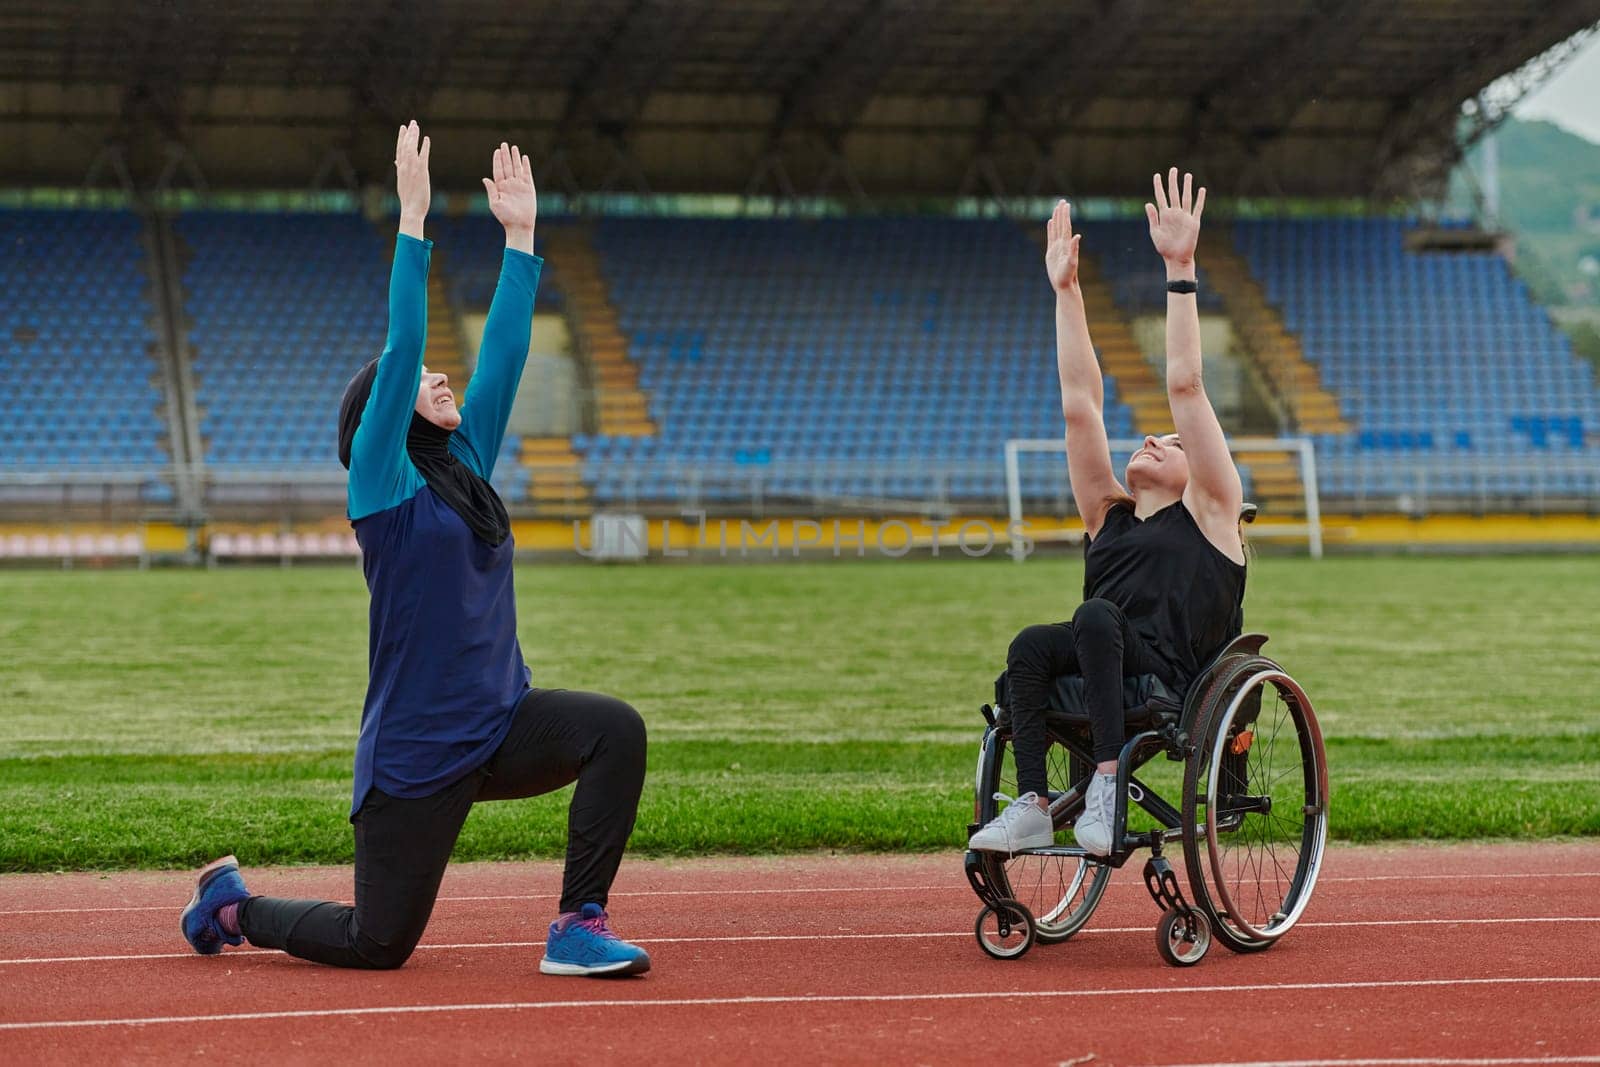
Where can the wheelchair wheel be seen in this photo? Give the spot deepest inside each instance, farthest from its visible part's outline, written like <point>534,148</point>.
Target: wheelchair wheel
<point>1255,800</point>
<point>1005,929</point>
<point>1182,940</point>
<point>1060,891</point>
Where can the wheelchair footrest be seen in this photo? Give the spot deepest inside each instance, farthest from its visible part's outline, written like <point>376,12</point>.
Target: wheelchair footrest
<point>1163,885</point>
<point>978,877</point>
<point>1063,851</point>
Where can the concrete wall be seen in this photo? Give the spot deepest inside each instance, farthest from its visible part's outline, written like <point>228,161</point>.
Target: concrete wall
<point>549,401</point>
<point>1225,378</point>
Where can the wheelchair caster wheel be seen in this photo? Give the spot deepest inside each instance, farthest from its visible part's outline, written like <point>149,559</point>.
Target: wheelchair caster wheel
<point>1005,929</point>
<point>1183,940</point>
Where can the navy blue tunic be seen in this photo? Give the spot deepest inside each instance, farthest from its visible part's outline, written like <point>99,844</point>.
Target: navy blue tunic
<point>445,670</point>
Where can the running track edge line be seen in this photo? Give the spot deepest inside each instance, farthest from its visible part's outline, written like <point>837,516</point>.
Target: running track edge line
<point>891,935</point>
<point>796,891</point>
<point>532,1005</point>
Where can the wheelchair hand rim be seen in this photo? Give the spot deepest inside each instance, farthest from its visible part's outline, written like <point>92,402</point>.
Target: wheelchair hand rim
<point>1314,754</point>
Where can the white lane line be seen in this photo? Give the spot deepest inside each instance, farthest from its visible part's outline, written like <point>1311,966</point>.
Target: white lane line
<point>836,998</point>
<point>893,935</point>
<point>1411,1062</point>
<point>1464,876</point>
<point>1455,922</point>
<point>232,953</point>
<point>554,891</point>
<point>1125,883</point>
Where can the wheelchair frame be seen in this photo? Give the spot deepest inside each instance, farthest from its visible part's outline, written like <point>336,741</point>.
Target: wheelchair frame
<point>1185,931</point>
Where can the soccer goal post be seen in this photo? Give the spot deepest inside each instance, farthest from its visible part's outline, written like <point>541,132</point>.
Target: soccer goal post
<point>1266,461</point>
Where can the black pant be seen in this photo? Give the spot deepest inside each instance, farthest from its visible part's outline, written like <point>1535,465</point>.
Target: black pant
<point>1099,645</point>
<point>403,845</point>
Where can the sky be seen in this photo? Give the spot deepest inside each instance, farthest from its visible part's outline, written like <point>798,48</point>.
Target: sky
<point>1571,99</point>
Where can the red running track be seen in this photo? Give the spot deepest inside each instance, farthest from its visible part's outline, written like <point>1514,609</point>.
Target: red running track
<point>1415,954</point>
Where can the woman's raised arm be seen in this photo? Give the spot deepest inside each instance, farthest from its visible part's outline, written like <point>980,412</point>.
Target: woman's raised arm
<point>486,409</point>
<point>378,452</point>
<point>1094,484</point>
<point>1214,494</point>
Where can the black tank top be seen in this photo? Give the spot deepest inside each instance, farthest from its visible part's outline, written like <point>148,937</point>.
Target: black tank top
<point>1176,588</point>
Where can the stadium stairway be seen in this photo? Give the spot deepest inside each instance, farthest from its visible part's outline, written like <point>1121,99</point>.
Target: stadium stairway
<point>1120,355</point>
<point>1274,483</point>
<point>621,407</point>
<point>1278,358</point>
<point>555,473</point>
<point>1274,349</point>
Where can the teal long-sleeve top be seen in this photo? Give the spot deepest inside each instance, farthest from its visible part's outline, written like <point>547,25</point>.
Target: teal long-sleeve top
<point>445,670</point>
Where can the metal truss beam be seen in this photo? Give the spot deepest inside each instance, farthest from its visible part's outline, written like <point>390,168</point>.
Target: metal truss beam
<point>400,57</point>
<point>605,101</point>
<point>1035,99</point>
<point>1422,143</point>
<point>1494,104</point>
<point>1073,70</point>
<point>839,82</point>
<point>647,38</point>
<point>817,111</point>
<point>1258,99</point>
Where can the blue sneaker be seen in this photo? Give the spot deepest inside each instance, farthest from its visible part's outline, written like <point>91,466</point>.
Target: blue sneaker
<point>218,886</point>
<point>583,944</point>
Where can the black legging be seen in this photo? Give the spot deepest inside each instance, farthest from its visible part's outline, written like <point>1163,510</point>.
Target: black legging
<point>403,845</point>
<point>1099,645</point>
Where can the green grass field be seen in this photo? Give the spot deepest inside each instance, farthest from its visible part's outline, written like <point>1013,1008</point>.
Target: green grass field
<point>157,719</point>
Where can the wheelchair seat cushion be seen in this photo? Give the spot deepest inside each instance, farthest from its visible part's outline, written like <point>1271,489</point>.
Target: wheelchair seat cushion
<point>1144,697</point>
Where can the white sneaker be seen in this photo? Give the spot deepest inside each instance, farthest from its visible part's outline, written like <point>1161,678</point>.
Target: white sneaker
<point>1021,824</point>
<point>1093,828</point>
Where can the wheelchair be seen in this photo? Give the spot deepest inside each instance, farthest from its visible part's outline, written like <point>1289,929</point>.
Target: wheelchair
<point>1252,819</point>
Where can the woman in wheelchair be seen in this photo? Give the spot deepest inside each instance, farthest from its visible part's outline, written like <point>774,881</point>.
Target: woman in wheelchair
<point>1164,561</point>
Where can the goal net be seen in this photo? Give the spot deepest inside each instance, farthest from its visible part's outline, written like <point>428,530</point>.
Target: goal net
<point>1279,473</point>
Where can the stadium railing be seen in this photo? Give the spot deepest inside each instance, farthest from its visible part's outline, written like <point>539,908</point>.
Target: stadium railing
<point>1424,485</point>
<point>95,491</point>
<point>1414,485</point>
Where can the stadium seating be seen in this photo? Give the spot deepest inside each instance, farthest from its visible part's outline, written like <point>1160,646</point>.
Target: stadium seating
<point>70,546</point>
<point>282,309</point>
<point>286,545</point>
<point>876,341</point>
<point>469,248</point>
<point>1438,355</point>
<point>883,358</point>
<point>1138,278</point>
<point>891,341</point>
<point>76,337</point>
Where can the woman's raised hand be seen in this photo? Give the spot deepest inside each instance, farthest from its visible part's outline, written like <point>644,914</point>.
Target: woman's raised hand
<point>411,177</point>
<point>1175,218</point>
<point>512,197</point>
<point>1061,249</point>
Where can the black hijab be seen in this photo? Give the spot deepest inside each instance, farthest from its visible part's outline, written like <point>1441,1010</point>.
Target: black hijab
<point>468,495</point>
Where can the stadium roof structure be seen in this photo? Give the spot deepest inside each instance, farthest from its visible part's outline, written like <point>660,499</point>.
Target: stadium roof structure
<point>1369,98</point>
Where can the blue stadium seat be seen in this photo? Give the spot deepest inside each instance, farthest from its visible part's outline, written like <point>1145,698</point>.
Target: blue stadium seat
<point>282,309</point>
<point>875,340</point>
<point>76,329</point>
<point>1426,350</point>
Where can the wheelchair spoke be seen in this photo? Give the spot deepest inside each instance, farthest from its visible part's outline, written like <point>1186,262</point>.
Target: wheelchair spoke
<point>1261,899</point>
<point>1255,817</point>
<point>1259,823</point>
<point>1061,892</point>
<point>1287,874</point>
<point>1274,829</point>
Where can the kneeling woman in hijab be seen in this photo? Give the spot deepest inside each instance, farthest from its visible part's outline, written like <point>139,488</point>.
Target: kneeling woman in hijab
<point>450,717</point>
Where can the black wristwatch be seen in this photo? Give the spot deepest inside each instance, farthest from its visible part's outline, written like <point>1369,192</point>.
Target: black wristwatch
<point>1182,285</point>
